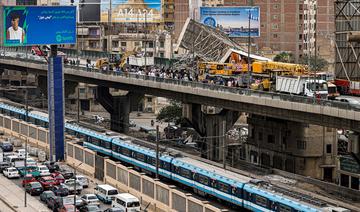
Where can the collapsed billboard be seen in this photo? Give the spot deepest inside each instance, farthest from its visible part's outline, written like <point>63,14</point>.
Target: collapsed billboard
<point>131,11</point>
<point>234,21</point>
<point>38,25</point>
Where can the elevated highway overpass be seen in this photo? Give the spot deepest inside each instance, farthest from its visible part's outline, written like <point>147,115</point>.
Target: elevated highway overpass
<point>284,106</point>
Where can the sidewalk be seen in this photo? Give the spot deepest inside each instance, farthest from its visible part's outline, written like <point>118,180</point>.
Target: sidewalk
<point>13,195</point>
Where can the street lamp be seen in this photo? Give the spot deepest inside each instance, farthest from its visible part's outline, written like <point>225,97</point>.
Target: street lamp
<point>75,167</point>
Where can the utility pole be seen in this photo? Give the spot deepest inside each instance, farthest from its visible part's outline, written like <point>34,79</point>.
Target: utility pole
<point>315,45</point>
<point>157,151</point>
<point>145,40</point>
<point>78,104</point>
<point>26,140</point>
<point>250,3</point>
<point>224,143</point>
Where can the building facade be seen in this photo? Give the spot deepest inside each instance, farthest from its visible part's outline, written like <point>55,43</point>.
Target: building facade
<point>304,149</point>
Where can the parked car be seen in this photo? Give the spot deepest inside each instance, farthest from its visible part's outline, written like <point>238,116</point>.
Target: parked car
<point>91,199</point>
<point>34,188</point>
<point>28,179</point>
<point>6,146</point>
<point>83,180</point>
<point>21,153</point>
<point>30,162</point>
<point>90,208</point>
<point>46,195</point>
<point>11,172</point>
<point>114,210</point>
<point>53,203</point>
<point>60,190</point>
<point>69,200</point>
<point>44,171</point>
<point>66,173</point>
<point>68,208</point>
<point>58,178</point>
<point>69,184</point>
<point>47,182</point>
<point>52,166</point>
<point>4,165</point>
<point>33,170</point>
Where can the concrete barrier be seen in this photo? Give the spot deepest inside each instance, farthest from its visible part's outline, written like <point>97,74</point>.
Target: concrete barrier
<point>159,196</point>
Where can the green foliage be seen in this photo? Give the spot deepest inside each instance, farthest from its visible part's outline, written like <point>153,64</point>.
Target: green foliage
<point>284,57</point>
<point>171,113</point>
<point>316,64</point>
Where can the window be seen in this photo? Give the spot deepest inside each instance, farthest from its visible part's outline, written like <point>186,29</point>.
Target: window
<point>150,44</point>
<point>137,43</point>
<point>271,139</point>
<point>119,201</point>
<point>72,101</point>
<point>149,99</point>
<point>284,208</point>
<point>260,136</point>
<point>203,179</point>
<point>300,16</point>
<point>275,17</point>
<point>275,6</point>
<point>275,35</point>
<point>301,144</point>
<point>223,187</point>
<point>328,148</point>
<point>162,44</point>
<point>123,44</point>
<point>259,200</point>
<point>275,26</point>
<point>82,90</point>
<point>140,157</point>
<point>185,173</point>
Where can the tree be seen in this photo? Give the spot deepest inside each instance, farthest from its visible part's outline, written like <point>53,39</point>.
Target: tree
<point>284,57</point>
<point>315,63</point>
<point>171,113</point>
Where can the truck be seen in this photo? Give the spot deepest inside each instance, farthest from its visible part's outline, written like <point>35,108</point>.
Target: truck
<point>302,85</point>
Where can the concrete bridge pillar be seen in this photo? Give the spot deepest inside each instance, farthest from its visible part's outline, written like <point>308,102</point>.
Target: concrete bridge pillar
<point>119,107</point>
<point>211,127</point>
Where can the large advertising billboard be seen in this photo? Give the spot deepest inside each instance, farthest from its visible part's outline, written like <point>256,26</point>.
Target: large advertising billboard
<point>88,10</point>
<point>131,11</point>
<point>234,21</point>
<point>38,25</point>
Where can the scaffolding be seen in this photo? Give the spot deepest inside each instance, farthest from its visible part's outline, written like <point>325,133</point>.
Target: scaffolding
<point>347,39</point>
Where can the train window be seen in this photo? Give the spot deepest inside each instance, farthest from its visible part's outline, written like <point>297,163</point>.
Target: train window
<point>203,179</point>
<point>107,144</point>
<point>284,208</point>
<point>259,200</point>
<point>114,148</point>
<point>94,141</point>
<point>125,151</point>
<point>165,165</point>
<point>223,187</point>
<point>185,173</point>
<point>152,161</point>
<point>140,156</point>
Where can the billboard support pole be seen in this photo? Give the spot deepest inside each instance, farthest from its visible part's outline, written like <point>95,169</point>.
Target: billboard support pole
<point>249,48</point>
<point>56,105</point>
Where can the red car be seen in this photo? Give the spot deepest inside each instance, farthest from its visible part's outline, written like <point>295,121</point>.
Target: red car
<point>59,179</point>
<point>28,179</point>
<point>68,208</point>
<point>47,182</point>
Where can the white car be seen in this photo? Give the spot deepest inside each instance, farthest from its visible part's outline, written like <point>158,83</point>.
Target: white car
<point>30,162</point>
<point>44,171</point>
<point>91,199</point>
<point>11,172</point>
<point>21,153</point>
<point>82,180</point>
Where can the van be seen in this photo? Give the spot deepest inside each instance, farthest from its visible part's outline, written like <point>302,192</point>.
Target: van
<point>105,193</point>
<point>21,153</point>
<point>15,161</point>
<point>126,202</point>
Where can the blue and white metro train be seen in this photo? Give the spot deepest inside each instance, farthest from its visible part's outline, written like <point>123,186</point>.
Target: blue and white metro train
<point>224,185</point>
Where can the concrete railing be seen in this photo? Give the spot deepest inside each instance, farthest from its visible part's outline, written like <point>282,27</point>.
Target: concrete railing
<point>161,196</point>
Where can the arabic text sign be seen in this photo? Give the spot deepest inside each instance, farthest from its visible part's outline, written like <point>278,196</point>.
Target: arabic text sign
<point>39,25</point>
<point>234,21</point>
<point>130,11</point>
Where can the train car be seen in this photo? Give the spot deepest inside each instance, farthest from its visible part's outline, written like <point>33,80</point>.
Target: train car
<point>205,179</point>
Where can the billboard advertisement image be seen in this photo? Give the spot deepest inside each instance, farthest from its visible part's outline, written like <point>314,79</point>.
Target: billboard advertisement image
<point>234,21</point>
<point>131,11</point>
<point>88,10</point>
<point>38,25</point>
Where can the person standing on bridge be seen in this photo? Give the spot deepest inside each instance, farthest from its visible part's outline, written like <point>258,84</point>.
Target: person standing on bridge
<point>15,33</point>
